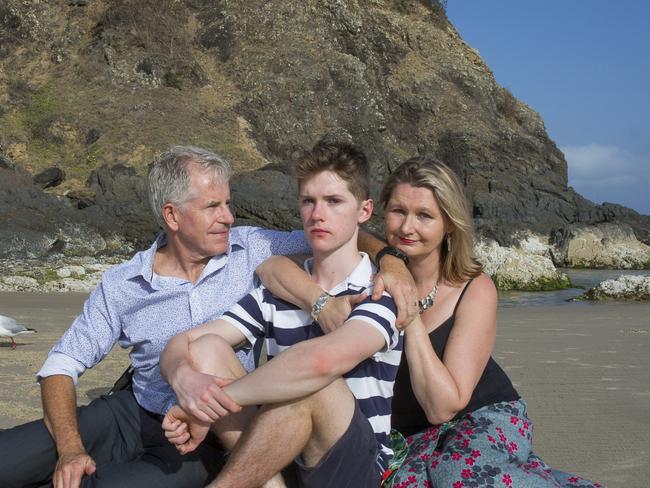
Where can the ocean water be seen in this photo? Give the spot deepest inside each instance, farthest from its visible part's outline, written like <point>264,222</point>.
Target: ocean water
<point>581,278</point>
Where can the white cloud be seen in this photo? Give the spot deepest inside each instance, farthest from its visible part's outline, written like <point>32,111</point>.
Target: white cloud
<point>609,173</point>
<point>597,166</point>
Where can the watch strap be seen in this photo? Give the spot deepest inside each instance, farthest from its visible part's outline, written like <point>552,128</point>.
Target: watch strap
<point>319,305</point>
<point>391,251</point>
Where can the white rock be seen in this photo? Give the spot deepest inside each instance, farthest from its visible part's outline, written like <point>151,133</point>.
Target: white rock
<point>513,268</point>
<point>97,267</point>
<point>63,272</point>
<point>535,244</point>
<point>18,283</point>
<point>601,246</point>
<point>77,270</point>
<point>626,287</point>
<point>72,284</point>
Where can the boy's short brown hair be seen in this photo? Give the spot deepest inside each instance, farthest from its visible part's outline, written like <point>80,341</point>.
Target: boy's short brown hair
<point>347,161</point>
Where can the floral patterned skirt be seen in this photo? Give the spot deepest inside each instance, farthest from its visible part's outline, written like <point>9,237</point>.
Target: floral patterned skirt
<point>490,447</point>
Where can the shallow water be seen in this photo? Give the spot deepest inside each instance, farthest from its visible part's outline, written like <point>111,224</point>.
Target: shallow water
<point>582,278</point>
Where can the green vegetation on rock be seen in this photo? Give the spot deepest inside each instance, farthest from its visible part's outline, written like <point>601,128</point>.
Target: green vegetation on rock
<point>41,275</point>
<point>540,284</point>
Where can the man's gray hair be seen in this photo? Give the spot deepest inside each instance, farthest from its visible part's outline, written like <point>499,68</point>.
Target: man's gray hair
<point>169,176</point>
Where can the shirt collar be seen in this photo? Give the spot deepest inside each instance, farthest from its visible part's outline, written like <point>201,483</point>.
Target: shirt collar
<point>145,268</point>
<point>235,243</point>
<point>359,278</point>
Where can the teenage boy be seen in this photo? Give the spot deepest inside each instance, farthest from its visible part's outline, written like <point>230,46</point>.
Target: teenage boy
<point>326,399</point>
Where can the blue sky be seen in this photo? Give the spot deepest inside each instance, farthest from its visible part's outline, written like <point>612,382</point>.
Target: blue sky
<point>584,65</point>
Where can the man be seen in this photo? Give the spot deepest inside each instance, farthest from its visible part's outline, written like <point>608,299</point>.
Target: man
<point>195,271</point>
<point>336,429</point>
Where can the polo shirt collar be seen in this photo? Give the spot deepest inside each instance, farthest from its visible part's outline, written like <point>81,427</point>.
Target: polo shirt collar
<point>358,279</point>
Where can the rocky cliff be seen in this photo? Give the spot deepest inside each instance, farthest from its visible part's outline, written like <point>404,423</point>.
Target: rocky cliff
<point>96,88</point>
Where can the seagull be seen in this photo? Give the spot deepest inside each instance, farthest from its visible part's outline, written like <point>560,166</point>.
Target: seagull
<point>10,328</point>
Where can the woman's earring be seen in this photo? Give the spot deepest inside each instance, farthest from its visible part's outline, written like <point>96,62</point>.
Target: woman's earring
<point>448,243</point>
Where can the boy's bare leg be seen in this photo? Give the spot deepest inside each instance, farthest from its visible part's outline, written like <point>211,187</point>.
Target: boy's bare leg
<point>212,355</point>
<point>311,426</point>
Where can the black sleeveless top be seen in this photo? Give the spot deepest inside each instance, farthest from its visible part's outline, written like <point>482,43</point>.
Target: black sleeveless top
<point>493,387</point>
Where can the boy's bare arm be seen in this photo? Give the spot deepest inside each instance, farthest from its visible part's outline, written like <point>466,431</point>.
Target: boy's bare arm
<point>308,366</point>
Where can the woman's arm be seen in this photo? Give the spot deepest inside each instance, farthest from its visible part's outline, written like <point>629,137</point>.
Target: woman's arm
<point>444,387</point>
<point>393,277</point>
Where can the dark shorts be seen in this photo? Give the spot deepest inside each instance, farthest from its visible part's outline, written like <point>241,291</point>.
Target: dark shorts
<point>352,461</point>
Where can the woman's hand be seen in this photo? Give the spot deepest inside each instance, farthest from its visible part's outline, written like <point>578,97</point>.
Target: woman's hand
<point>395,279</point>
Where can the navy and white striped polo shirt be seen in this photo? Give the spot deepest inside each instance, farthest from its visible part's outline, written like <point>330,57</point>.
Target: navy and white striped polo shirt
<point>265,318</point>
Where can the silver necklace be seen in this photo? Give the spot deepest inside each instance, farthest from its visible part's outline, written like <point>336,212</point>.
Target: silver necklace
<point>429,300</point>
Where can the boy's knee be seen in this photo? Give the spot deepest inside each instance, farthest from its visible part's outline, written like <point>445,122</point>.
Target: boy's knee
<point>335,402</point>
<point>214,355</point>
<point>335,394</point>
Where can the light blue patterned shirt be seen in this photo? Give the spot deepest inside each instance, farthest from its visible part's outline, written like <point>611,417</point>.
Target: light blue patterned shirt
<point>142,311</point>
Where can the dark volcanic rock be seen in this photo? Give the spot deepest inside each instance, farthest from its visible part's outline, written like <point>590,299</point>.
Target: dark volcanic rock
<point>5,163</point>
<point>49,178</point>
<point>92,136</point>
<point>640,224</point>
<point>121,204</point>
<point>261,82</point>
<point>400,82</point>
<point>29,217</point>
<point>267,198</point>
<point>36,225</point>
<point>81,199</point>
<point>107,179</point>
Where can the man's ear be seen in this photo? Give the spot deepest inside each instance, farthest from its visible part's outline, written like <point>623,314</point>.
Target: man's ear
<point>365,210</point>
<point>170,216</point>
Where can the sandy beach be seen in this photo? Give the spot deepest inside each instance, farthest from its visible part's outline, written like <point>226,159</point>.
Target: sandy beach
<point>583,369</point>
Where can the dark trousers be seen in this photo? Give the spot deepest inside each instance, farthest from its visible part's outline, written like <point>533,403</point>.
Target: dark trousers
<point>126,442</point>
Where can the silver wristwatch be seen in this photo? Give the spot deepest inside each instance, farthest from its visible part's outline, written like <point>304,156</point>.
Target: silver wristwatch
<point>319,305</point>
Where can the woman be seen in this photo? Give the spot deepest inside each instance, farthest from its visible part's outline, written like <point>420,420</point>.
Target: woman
<point>464,422</point>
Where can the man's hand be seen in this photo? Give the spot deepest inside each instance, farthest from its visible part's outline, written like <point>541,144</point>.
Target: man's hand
<point>396,279</point>
<point>71,467</point>
<point>337,310</point>
<point>201,395</point>
<point>184,431</point>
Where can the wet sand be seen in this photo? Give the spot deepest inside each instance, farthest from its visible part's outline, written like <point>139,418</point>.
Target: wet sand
<point>583,369</point>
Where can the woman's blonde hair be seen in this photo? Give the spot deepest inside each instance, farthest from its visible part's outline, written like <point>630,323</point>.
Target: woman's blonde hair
<point>458,262</point>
